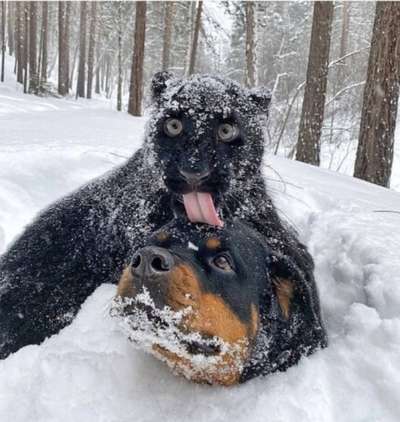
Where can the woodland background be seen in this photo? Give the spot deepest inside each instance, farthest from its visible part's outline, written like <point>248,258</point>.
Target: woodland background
<point>316,58</point>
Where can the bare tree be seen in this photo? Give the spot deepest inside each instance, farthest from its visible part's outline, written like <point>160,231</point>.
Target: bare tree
<point>3,38</point>
<point>26,12</point>
<point>20,41</point>
<point>119,82</point>
<point>195,39</point>
<point>80,88</point>
<point>250,74</point>
<point>33,75</point>
<point>63,47</point>
<point>92,43</point>
<point>43,43</point>
<point>312,115</point>
<point>10,27</point>
<point>381,92</point>
<point>169,10</point>
<point>136,83</point>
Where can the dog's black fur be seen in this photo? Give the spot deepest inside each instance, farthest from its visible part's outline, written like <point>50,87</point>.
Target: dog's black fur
<point>84,239</point>
<point>249,280</point>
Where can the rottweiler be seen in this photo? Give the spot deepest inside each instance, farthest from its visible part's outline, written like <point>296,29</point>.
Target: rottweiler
<point>217,304</point>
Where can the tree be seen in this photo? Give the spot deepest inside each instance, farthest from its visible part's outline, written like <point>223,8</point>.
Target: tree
<point>195,40</point>
<point>312,115</point>
<point>10,27</point>
<point>136,84</point>
<point>92,43</point>
<point>80,88</point>
<point>3,38</point>
<point>43,44</point>
<point>20,41</point>
<point>33,74</point>
<point>250,78</point>
<point>168,21</point>
<point>381,92</point>
<point>63,47</point>
<point>119,82</point>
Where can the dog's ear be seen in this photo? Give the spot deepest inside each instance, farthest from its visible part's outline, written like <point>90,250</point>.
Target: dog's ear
<point>159,83</point>
<point>295,290</point>
<point>261,97</point>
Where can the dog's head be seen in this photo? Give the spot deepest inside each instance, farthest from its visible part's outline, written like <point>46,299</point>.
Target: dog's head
<point>209,302</point>
<point>207,137</point>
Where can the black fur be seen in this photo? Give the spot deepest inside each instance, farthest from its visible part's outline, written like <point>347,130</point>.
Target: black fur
<point>84,239</point>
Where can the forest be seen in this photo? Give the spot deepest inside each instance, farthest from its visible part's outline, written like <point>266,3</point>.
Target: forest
<point>332,67</point>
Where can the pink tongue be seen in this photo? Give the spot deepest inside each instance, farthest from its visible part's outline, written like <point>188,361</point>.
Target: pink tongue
<point>200,208</point>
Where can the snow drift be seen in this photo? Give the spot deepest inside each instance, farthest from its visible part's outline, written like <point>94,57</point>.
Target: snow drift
<point>91,372</point>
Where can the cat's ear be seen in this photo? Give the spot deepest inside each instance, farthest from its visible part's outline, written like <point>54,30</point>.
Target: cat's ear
<point>159,83</point>
<point>261,98</point>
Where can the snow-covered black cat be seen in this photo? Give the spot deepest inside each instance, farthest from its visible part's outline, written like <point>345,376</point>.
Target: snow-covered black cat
<point>201,155</point>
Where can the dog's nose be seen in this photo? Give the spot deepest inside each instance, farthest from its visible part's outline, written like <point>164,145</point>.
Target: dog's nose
<point>151,261</point>
<point>195,177</point>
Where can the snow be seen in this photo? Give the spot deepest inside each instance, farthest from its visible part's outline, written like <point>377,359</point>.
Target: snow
<point>91,372</point>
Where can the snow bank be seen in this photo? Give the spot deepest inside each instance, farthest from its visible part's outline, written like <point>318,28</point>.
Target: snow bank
<point>90,371</point>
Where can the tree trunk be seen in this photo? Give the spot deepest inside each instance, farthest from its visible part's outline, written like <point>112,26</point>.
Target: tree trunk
<point>26,45</point>
<point>136,84</point>
<point>19,35</point>
<point>80,88</point>
<point>312,115</point>
<point>10,26</point>
<point>44,36</point>
<point>250,78</point>
<point>381,92</point>
<point>3,39</point>
<point>33,73</point>
<point>169,7</point>
<point>72,68</point>
<point>63,47</point>
<point>195,41</point>
<point>97,83</point>
<point>119,82</point>
<point>92,42</point>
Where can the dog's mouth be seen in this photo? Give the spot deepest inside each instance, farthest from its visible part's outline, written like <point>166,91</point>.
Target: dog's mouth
<point>161,332</point>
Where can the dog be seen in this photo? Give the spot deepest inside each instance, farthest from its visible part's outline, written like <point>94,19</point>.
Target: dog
<point>218,305</point>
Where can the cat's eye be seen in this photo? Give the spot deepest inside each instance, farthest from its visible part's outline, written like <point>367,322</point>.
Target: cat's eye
<point>173,127</point>
<point>227,132</point>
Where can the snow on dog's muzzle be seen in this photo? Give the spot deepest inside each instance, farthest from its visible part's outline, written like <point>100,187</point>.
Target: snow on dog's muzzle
<point>168,313</point>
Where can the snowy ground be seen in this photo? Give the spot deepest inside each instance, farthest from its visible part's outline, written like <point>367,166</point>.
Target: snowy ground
<point>89,371</point>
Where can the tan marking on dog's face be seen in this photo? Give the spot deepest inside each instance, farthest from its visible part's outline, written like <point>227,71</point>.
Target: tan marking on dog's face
<point>213,243</point>
<point>284,291</point>
<point>255,318</point>
<point>210,317</point>
<point>162,236</point>
<point>126,287</point>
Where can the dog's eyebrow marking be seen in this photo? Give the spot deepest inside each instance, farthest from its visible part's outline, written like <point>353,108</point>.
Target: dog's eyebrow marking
<point>193,246</point>
<point>213,243</point>
<point>162,236</point>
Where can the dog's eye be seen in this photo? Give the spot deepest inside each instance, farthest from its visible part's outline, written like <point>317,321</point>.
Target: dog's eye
<point>173,127</point>
<point>227,132</point>
<point>223,263</point>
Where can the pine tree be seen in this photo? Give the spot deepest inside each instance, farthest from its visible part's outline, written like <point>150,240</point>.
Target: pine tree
<point>63,47</point>
<point>250,73</point>
<point>136,84</point>
<point>80,88</point>
<point>92,42</point>
<point>195,40</point>
<point>312,115</point>
<point>168,20</point>
<point>378,120</point>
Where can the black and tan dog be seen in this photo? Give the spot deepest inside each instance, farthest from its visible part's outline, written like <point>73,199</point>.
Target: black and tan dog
<point>217,304</point>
